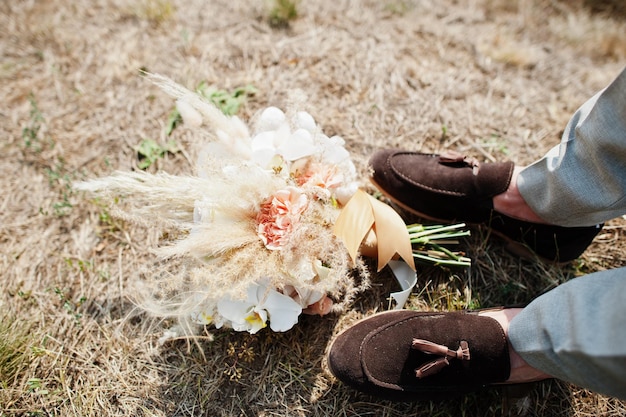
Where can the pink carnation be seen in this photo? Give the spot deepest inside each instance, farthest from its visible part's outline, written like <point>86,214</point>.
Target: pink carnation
<point>278,215</point>
<point>320,175</point>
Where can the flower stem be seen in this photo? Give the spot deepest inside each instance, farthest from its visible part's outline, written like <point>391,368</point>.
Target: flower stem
<point>417,230</point>
<point>424,238</point>
<point>461,262</point>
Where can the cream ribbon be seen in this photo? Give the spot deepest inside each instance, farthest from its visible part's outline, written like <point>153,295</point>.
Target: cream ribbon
<point>362,215</point>
<point>364,219</point>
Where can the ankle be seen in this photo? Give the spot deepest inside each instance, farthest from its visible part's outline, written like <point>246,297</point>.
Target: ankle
<point>521,371</point>
<point>512,204</point>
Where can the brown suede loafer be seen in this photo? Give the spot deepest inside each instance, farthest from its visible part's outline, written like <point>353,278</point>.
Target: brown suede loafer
<point>453,188</point>
<point>405,355</point>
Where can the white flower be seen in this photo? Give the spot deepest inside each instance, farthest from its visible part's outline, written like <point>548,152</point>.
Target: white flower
<point>204,311</point>
<point>262,304</point>
<point>305,121</point>
<point>201,317</point>
<point>298,145</point>
<point>275,140</point>
<point>333,149</point>
<point>344,193</point>
<point>290,146</point>
<point>306,272</point>
<point>271,119</point>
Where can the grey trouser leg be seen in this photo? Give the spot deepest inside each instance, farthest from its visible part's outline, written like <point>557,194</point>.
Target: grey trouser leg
<point>577,332</point>
<point>582,181</point>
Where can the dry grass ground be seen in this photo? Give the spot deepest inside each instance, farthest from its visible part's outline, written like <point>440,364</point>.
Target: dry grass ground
<point>493,78</point>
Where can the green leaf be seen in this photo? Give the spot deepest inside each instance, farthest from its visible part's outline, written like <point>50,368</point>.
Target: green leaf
<point>173,120</point>
<point>150,151</point>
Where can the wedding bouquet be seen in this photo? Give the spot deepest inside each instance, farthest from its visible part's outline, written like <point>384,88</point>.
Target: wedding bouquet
<point>270,225</point>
